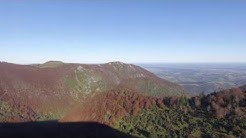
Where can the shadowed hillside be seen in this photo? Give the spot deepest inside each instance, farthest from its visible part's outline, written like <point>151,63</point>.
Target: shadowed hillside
<point>59,130</point>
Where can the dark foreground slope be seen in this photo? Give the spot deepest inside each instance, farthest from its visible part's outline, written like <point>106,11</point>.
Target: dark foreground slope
<point>54,129</point>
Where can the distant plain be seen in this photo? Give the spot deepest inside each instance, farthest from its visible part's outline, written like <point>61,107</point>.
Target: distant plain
<point>199,78</point>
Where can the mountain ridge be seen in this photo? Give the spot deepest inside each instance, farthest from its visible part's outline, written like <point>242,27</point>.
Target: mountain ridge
<point>49,92</point>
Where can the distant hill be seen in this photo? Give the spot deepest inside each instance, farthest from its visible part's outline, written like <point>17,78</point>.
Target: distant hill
<point>49,64</point>
<point>50,90</point>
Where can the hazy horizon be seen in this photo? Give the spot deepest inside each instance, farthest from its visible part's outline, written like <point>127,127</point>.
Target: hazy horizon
<point>139,63</point>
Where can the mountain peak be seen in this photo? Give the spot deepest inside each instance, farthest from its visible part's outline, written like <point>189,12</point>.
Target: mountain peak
<point>51,64</point>
<point>117,63</point>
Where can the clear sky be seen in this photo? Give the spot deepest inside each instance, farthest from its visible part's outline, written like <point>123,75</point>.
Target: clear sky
<point>96,31</point>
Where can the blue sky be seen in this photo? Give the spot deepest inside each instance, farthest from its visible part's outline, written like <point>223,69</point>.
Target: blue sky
<point>128,31</point>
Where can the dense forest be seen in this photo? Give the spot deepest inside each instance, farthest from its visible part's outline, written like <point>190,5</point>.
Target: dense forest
<point>219,114</point>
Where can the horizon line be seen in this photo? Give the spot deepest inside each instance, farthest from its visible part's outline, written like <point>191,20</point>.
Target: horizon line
<point>137,63</point>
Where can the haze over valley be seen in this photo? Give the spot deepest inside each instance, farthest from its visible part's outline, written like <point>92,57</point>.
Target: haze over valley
<point>199,78</point>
